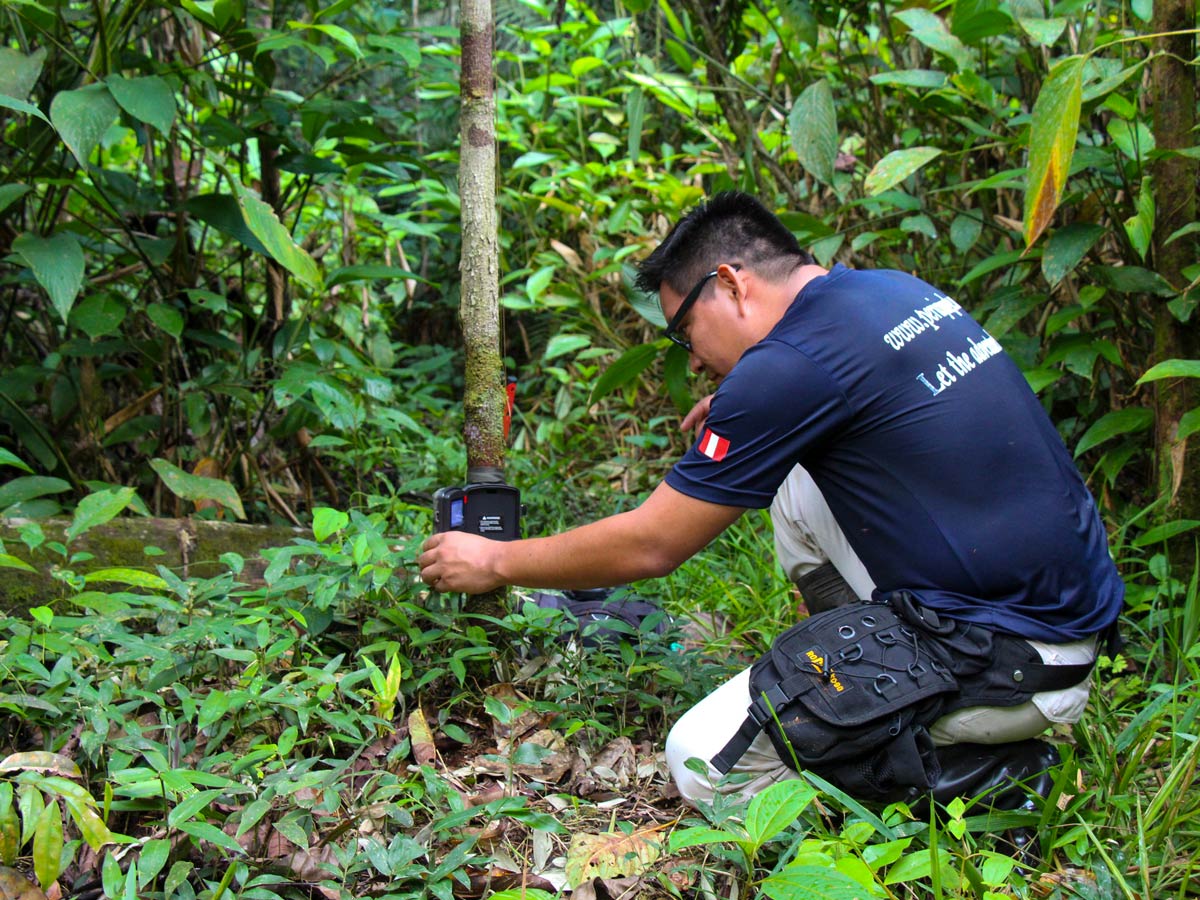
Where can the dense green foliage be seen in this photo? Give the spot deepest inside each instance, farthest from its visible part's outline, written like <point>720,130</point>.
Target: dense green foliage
<point>228,287</point>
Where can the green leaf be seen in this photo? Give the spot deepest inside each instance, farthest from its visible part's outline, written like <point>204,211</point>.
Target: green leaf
<point>81,117</point>
<point>562,344</point>
<point>1043,31</point>
<point>1171,368</point>
<point>896,166</point>
<point>90,825</point>
<point>28,487</point>
<point>98,508</point>
<point>964,232</point>
<point>191,806</point>
<point>807,882</point>
<point>328,521</point>
<point>212,834</point>
<point>1140,227</point>
<point>8,561</point>
<point>695,837</point>
<point>1066,247</point>
<point>1052,143</point>
<point>197,487</point>
<point>177,876</point>
<point>1165,532</point>
<point>151,860</point>
<point>148,99</point>
<point>773,810</point>
<point>635,114</point>
<point>627,367</point>
<point>57,264</point>
<point>812,126</point>
<point>1113,424</point>
<point>21,106</point>
<point>126,576</point>
<point>48,846</point>
<point>265,225</point>
<point>11,193</point>
<point>1189,423</point>
<point>167,318</point>
<point>98,315</point>
<point>19,72</point>
<point>369,272</point>
<point>222,212</point>
<point>918,78</point>
<point>8,458</point>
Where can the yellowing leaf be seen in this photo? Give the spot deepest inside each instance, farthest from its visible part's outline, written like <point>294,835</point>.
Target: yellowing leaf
<point>1052,143</point>
<point>611,854</point>
<point>41,761</point>
<point>896,166</point>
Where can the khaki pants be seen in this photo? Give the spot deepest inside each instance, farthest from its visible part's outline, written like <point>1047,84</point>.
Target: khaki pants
<point>807,536</point>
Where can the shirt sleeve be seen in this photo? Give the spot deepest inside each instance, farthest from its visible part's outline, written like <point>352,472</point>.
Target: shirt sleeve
<point>771,412</point>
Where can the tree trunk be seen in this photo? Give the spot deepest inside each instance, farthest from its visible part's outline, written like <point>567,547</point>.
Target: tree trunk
<point>1173,97</point>
<point>483,400</point>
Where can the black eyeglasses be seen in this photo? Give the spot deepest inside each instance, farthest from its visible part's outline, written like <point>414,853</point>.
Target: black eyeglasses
<point>672,329</point>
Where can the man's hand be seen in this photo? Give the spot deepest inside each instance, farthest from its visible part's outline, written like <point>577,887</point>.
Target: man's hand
<point>698,415</point>
<point>454,561</point>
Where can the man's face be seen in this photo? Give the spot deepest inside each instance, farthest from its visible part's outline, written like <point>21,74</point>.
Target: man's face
<point>709,325</point>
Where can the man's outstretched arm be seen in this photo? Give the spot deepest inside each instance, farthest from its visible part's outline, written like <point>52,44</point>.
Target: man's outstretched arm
<point>647,542</point>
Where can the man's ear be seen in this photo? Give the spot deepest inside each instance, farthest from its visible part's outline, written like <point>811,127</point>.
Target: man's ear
<point>735,279</point>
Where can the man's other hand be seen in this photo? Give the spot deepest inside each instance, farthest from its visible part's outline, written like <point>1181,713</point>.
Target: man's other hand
<point>697,416</point>
<point>454,561</point>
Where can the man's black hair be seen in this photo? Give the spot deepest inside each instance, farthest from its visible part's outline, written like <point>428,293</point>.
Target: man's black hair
<point>732,227</point>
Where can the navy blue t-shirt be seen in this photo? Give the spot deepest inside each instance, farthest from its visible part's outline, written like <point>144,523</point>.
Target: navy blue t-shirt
<point>934,455</point>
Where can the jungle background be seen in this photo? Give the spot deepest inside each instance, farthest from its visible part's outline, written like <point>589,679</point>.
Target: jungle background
<point>229,293</point>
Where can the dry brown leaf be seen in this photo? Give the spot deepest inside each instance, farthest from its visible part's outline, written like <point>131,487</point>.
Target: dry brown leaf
<point>15,886</point>
<point>567,253</point>
<point>608,889</point>
<point>612,854</point>
<point>526,719</point>
<point>423,749</point>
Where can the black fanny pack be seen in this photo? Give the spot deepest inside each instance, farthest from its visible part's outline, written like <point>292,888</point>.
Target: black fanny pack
<point>850,693</point>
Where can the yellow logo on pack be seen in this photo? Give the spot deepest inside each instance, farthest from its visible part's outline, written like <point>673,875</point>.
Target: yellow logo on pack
<point>818,663</point>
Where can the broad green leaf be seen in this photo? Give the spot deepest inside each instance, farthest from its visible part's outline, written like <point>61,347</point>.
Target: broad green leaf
<point>1134,139</point>
<point>1043,31</point>
<point>1165,532</point>
<point>222,212</point>
<point>931,31</point>
<point>167,318</point>
<point>964,231</point>
<point>1140,227</point>
<point>191,806</point>
<point>81,117</point>
<point>212,834</point>
<point>177,876</point>
<point>537,283</point>
<point>126,576</point>
<point>1114,424</point>
<point>98,508</point>
<point>10,827</point>
<point>8,458</point>
<point>918,78</point>
<point>407,48</point>
<point>812,126</point>
<point>28,487</point>
<point>57,264</point>
<point>8,561</point>
<point>328,521</point>
<point>1066,248</point>
<point>562,344</point>
<point>342,36</point>
<point>1171,368</point>
<point>19,72</point>
<point>11,193</point>
<point>896,166</point>
<point>635,115</point>
<point>197,487</point>
<point>1189,424</point>
<point>48,846</point>
<point>151,860</point>
<point>91,826</point>
<point>7,102</point>
<point>627,367</point>
<point>973,22</point>
<point>807,882</point>
<point>251,814</point>
<point>148,99</point>
<point>1052,143</point>
<point>696,837</point>
<point>992,263</point>
<point>773,810</point>
<point>265,225</point>
<point>98,315</point>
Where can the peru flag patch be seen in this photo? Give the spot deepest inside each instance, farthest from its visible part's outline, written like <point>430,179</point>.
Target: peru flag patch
<point>713,445</point>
